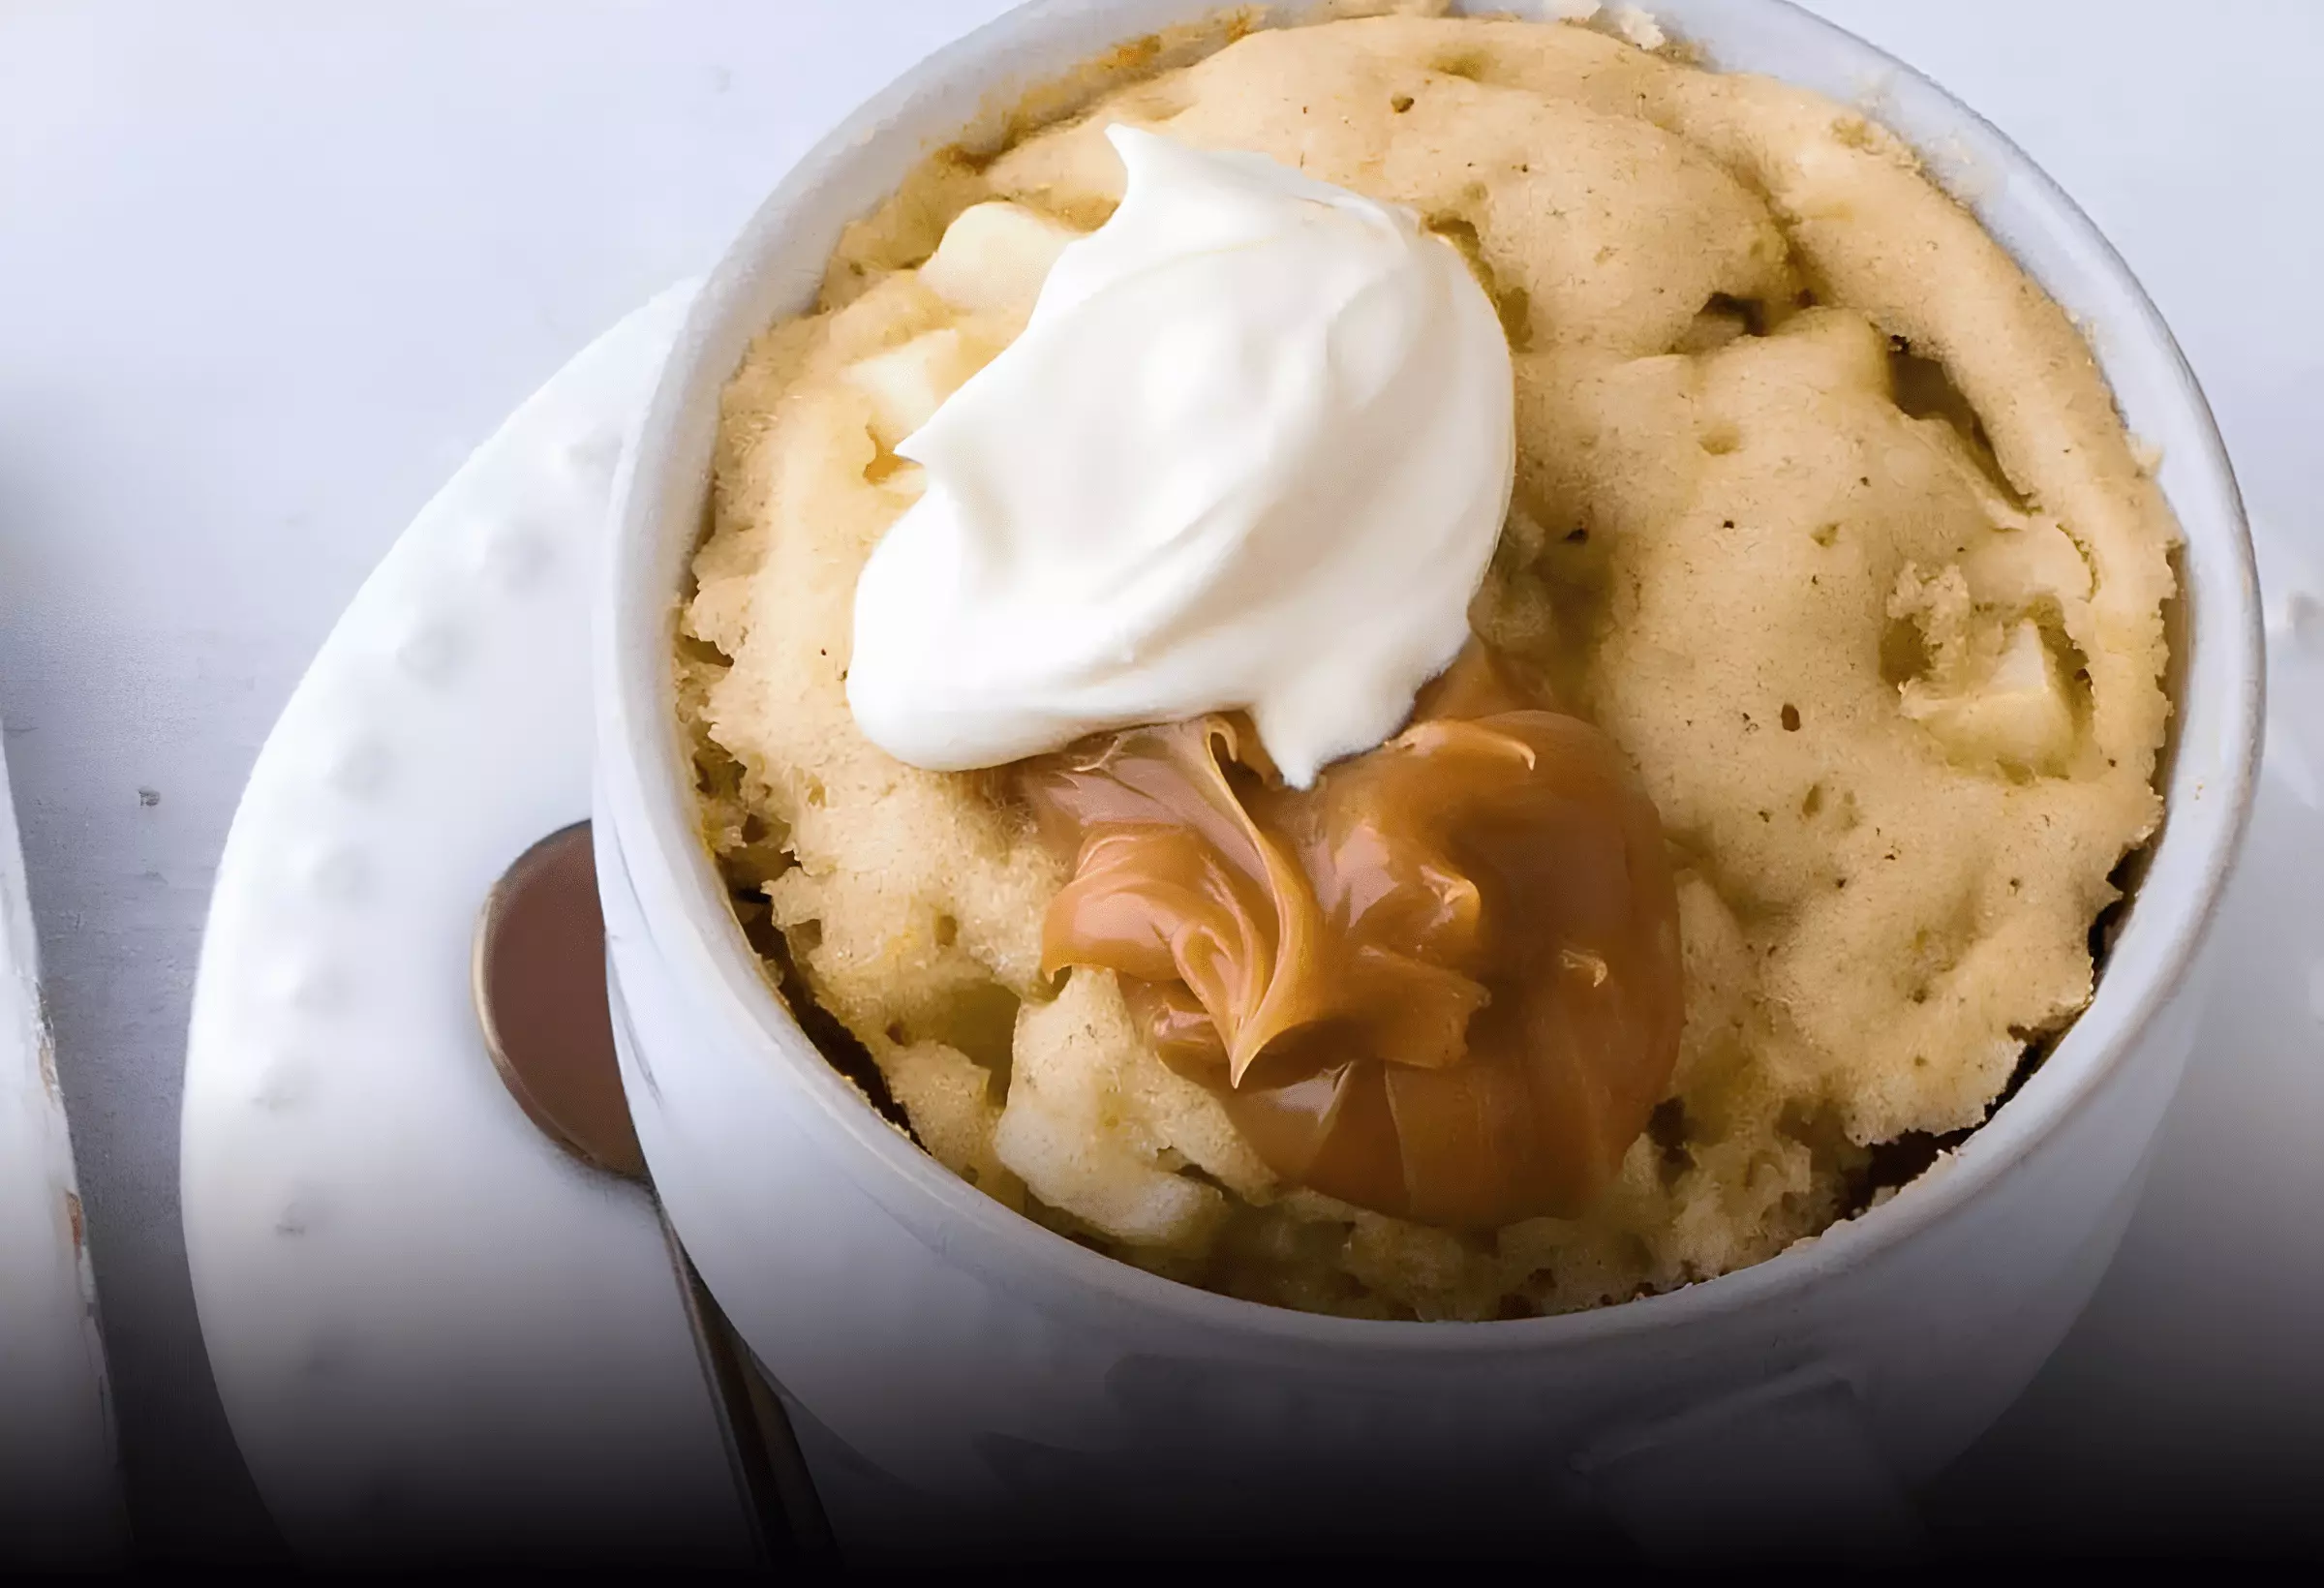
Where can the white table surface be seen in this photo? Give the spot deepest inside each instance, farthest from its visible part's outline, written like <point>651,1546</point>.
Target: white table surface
<point>269,269</point>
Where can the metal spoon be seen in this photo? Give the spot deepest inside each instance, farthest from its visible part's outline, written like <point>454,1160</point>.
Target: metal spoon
<point>539,981</point>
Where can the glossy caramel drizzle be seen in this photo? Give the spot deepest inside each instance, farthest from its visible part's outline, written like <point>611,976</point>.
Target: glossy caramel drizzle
<point>1443,984</point>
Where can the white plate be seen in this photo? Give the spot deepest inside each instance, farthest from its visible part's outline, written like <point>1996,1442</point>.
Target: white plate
<point>429,1325</point>
<point>60,1497</point>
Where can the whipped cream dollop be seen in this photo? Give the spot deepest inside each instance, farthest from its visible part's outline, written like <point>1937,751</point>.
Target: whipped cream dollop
<point>1252,451</point>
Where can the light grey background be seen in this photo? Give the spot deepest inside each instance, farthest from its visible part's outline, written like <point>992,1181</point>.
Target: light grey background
<point>269,269</point>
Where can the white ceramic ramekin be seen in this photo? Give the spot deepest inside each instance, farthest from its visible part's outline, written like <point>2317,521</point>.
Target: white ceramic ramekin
<point>979,1358</point>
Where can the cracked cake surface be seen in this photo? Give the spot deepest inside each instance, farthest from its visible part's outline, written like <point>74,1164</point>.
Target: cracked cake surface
<point>1823,512</point>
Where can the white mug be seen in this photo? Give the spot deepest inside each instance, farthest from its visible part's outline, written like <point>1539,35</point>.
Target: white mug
<point>1020,1382</point>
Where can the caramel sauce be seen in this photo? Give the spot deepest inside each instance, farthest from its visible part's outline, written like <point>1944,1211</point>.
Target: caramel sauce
<point>1443,984</point>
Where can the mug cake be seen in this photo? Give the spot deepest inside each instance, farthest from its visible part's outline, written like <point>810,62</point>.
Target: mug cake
<point>1514,683</point>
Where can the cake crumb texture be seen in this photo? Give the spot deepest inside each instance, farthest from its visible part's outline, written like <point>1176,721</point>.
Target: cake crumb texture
<point>1823,511</point>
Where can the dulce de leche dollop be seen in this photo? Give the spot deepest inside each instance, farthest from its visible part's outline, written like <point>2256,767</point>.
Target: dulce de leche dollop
<point>1443,983</point>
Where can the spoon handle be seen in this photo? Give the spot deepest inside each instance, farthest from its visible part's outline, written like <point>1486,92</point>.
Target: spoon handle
<point>786,1517</point>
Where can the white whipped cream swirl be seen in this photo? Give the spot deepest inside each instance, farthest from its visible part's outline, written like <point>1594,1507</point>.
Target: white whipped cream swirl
<point>1252,450</point>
